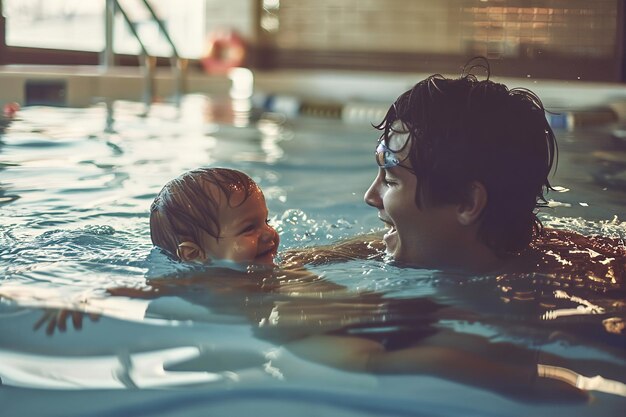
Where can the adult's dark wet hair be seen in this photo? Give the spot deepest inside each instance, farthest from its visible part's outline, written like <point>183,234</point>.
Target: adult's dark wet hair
<point>188,206</point>
<point>463,130</point>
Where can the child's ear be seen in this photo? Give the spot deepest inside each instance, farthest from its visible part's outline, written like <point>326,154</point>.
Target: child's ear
<point>471,209</point>
<point>190,252</point>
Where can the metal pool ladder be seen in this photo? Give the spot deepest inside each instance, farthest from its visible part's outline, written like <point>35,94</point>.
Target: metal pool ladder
<point>148,63</point>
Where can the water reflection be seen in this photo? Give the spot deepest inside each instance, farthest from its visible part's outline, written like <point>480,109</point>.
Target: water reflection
<point>139,370</point>
<point>614,325</point>
<point>183,327</point>
<point>5,121</point>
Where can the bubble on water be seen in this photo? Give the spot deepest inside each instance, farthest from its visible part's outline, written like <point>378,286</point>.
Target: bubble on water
<point>293,216</point>
<point>99,230</point>
<point>342,224</point>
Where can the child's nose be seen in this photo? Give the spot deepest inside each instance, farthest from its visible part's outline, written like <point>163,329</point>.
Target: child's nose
<point>268,233</point>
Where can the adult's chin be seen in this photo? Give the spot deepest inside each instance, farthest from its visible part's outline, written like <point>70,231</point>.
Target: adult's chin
<point>399,253</point>
<point>392,243</point>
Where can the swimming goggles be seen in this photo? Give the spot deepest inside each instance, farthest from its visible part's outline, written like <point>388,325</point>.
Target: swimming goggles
<point>385,157</point>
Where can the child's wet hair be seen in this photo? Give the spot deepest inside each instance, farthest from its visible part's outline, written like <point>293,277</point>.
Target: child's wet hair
<point>188,206</point>
<point>466,129</point>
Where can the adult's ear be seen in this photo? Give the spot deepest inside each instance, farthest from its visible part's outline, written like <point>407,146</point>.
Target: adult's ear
<point>471,209</point>
<point>190,252</point>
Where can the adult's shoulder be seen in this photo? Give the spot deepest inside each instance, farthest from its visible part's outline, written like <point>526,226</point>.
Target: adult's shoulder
<point>551,238</point>
<point>569,251</point>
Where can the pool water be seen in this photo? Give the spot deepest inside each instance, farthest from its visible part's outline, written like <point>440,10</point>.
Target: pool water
<point>154,338</point>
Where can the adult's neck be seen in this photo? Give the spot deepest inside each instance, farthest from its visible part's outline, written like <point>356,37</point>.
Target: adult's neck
<point>479,259</point>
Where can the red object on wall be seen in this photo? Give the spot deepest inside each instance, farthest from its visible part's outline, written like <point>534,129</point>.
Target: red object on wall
<point>226,50</point>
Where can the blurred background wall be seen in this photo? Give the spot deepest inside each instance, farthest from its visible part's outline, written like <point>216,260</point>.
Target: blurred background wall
<point>561,39</point>
<point>543,38</point>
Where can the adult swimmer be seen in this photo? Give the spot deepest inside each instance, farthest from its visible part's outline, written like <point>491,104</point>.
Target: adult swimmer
<point>463,166</point>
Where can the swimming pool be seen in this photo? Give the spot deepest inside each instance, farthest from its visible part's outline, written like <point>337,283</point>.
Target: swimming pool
<point>75,187</point>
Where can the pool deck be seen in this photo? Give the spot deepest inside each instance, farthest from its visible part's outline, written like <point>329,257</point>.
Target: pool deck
<point>358,94</point>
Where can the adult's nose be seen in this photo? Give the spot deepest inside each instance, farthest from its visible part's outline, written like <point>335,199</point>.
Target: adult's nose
<point>373,196</point>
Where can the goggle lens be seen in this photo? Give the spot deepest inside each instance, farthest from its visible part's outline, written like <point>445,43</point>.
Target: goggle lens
<point>385,157</point>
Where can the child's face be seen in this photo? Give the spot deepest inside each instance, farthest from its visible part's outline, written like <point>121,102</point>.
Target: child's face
<point>245,235</point>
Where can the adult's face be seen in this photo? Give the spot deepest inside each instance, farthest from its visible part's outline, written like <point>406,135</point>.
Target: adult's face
<point>417,236</point>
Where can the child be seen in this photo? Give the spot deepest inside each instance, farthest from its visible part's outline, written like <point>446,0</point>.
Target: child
<point>213,214</point>
<point>216,214</point>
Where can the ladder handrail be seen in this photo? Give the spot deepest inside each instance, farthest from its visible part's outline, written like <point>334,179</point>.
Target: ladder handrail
<point>131,26</point>
<point>162,28</point>
<point>177,64</point>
